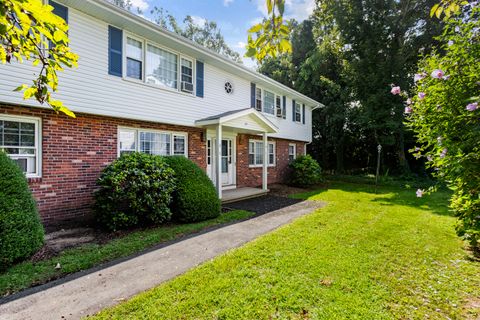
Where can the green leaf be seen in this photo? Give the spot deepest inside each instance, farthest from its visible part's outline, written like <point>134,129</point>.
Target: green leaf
<point>256,28</point>
<point>269,6</point>
<point>21,88</point>
<point>281,6</point>
<point>434,9</point>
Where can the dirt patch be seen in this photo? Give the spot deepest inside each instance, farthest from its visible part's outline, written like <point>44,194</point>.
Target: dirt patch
<point>472,308</point>
<point>262,205</point>
<point>283,190</point>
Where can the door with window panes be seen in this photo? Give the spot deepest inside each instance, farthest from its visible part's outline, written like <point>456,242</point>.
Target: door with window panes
<point>227,161</point>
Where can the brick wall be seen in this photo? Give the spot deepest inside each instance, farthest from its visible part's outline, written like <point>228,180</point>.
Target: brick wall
<point>74,151</point>
<point>252,177</point>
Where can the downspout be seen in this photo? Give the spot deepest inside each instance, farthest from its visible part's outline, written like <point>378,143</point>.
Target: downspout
<point>318,106</point>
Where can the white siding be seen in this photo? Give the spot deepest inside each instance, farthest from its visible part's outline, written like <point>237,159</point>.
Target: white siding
<point>90,89</point>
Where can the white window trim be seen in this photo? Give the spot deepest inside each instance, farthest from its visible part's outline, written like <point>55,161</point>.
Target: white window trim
<point>301,115</point>
<point>38,138</point>
<point>264,96</point>
<point>275,95</point>
<point>146,42</point>
<point>294,150</point>
<point>261,165</point>
<point>137,138</point>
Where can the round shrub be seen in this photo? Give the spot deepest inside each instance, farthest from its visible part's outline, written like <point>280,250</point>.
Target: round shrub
<point>305,171</point>
<point>135,189</point>
<point>196,198</point>
<point>21,232</point>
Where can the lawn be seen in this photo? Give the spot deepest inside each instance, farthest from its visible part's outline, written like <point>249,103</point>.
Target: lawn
<point>364,256</point>
<point>28,274</point>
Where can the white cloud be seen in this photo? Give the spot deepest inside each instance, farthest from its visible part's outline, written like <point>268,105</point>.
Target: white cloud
<point>239,45</point>
<point>140,4</point>
<point>199,21</point>
<point>226,3</point>
<point>296,9</point>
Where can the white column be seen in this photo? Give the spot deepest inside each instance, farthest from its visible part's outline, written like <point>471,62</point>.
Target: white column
<point>265,163</point>
<point>218,161</point>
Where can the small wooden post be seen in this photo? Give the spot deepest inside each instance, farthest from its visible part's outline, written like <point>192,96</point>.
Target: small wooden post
<point>379,149</point>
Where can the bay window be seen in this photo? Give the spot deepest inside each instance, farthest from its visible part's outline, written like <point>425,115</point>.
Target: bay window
<point>134,55</point>
<point>255,153</point>
<point>151,142</point>
<point>19,139</point>
<point>269,102</point>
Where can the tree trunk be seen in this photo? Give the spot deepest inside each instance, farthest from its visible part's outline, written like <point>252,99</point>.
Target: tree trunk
<point>339,150</point>
<point>402,158</point>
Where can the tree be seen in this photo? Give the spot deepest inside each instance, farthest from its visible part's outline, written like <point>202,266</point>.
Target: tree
<point>444,114</point>
<point>30,30</point>
<point>271,37</point>
<point>382,42</point>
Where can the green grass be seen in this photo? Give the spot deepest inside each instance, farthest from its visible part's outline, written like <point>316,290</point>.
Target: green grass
<point>363,256</point>
<point>28,274</point>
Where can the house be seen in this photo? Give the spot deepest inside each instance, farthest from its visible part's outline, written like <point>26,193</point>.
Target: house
<point>141,88</point>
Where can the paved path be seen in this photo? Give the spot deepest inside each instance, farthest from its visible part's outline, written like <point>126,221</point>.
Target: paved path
<point>93,292</point>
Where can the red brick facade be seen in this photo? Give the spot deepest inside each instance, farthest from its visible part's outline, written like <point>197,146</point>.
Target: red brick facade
<point>74,151</point>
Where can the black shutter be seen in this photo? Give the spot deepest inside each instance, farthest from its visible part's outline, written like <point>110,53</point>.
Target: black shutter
<point>200,78</point>
<point>293,110</point>
<point>115,48</point>
<point>60,10</point>
<point>253,92</point>
<point>303,114</point>
<point>284,110</point>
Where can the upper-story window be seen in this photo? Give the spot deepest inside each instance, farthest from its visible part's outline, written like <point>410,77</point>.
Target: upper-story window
<point>161,68</point>
<point>134,58</point>
<point>298,112</point>
<point>20,139</point>
<point>187,75</point>
<point>269,102</point>
<point>278,106</point>
<point>258,99</point>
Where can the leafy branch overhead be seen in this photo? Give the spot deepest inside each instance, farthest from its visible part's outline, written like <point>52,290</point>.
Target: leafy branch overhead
<point>29,30</point>
<point>271,37</point>
<point>447,7</point>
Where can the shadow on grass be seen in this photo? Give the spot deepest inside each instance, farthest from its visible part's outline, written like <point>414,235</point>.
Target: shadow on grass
<point>436,202</point>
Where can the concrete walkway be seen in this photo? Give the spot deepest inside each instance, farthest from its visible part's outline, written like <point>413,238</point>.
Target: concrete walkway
<point>91,293</point>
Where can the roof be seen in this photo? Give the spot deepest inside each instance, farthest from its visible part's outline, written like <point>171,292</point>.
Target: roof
<point>124,19</point>
<point>248,117</point>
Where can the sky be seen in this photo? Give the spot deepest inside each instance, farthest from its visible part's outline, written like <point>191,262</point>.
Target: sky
<point>234,17</point>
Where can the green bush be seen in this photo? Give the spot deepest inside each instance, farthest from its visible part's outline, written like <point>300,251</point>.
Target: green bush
<point>305,171</point>
<point>21,232</point>
<point>135,189</point>
<point>196,198</point>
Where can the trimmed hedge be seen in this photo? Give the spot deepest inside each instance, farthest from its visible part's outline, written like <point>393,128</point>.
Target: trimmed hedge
<point>21,232</point>
<point>196,198</point>
<point>305,171</point>
<point>135,189</point>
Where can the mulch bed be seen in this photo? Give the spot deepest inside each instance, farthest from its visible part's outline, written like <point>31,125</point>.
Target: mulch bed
<point>262,205</point>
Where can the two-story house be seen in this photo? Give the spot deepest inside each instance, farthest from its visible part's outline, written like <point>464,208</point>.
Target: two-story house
<point>140,88</point>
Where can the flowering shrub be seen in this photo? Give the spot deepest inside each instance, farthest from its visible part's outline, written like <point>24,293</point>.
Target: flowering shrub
<point>445,116</point>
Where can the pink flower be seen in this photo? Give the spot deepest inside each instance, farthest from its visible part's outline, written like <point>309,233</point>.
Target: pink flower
<point>418,77</point>
<point>417,149</point>
<point>409,101</point>
<point>472,106</point>
<point>408,110</point>
<point>421,95</point>
<point>439,140</point>
<point>437,74</point>
<point>444,153</point>
<point>450,43</point>
<point>419,193</point>
<point>429,158</point>
<point>396,90</point>
<point>446,77</point>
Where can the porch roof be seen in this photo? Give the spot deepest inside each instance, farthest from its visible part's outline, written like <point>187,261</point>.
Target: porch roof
<point>246,120</point>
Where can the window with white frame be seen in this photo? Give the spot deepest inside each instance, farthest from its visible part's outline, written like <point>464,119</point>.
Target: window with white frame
<point>134,56</point>
<point>258,99</point>
<point>187,75</point>
<point>161,67</point>
<point>19,139</point>
<point>278,106</point>
<point>292,152</point>
<point>151,142</point>
<point>298,112</point>
<point>255,153</point>
<point>269,102</point>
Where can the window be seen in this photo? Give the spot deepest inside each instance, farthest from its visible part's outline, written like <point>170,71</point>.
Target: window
<point>209,151</point>
<point>298,113</point>
<point>161,67</point>
<point>258,99</point>
<point>278,106</point>
<point>187,76</point>
<point>255,153</point>
<point>151,142</point>
<point>19,138</point>
<point>269,103</point>
<point>292,152</point>
<point>134,59</point>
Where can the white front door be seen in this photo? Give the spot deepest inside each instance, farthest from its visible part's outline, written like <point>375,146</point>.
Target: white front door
<point>227,160</point>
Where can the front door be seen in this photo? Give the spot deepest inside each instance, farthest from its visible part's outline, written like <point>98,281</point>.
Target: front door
<point>227,161</point>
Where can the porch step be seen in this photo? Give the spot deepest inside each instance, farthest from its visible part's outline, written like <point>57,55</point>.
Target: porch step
<point>239,194</point>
